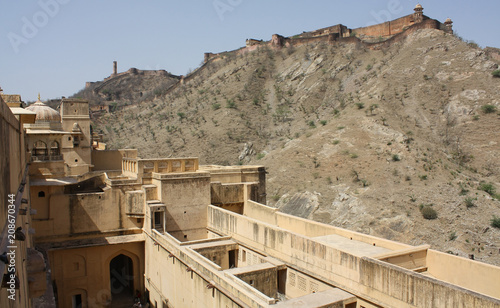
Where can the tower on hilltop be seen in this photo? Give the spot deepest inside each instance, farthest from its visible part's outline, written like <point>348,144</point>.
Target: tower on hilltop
<point>419,13</point>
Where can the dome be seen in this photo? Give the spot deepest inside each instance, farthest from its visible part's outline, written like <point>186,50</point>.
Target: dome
<point>43,112</point>
<point>418,6</point>
<point>448,21</point>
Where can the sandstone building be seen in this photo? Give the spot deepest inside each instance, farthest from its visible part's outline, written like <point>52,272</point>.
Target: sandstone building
<point>100,227</point>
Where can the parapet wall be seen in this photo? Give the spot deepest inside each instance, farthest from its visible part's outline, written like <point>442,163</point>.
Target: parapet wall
<point>387,28</point>
<point>376,281</point>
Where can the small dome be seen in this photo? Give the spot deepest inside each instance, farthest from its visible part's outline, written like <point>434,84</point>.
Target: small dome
<point>418,6</point>
<point>448,21</point>
<point>43,112</point>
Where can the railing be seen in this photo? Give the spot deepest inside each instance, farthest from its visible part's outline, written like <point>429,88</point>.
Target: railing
<point>134,166</point>
<point>46,158</point>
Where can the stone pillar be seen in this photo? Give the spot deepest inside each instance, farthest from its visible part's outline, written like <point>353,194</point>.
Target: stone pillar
<point>115,68</point>
<point>419,13</point>
<point>448,26</point>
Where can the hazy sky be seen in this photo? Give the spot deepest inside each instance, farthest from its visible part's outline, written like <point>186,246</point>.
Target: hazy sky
<point>55,46</point>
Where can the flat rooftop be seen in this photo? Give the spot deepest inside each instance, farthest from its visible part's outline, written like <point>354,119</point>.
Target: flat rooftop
<point>357,248</point>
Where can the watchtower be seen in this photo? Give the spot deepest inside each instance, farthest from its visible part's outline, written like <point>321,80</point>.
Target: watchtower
<point>419,13</point>
<point>448,26</point>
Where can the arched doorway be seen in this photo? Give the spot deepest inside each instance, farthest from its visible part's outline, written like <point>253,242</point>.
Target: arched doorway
<point>121,279</point>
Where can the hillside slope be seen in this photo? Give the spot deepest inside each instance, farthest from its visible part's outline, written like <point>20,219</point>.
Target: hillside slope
<point>357,138</point>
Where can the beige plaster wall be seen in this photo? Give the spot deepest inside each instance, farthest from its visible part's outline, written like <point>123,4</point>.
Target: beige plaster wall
<point>266,280</point>
<point>248,257</point>
<point>299,284</point>
<point>186,197</point>
<point>263,213</point>
<point>373,280</point>
<point>172,284</point>
<point>226,193</point>
<point>111,159</point>
<point>86,271</point>
<point>311,228</point>
<point>473,275</point>
<point>12,168</point>
<point>82,213</point>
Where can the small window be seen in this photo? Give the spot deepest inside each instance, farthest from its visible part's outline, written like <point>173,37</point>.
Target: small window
<point>55,149</point>
<point>41,194</point>
<point>244,256</point>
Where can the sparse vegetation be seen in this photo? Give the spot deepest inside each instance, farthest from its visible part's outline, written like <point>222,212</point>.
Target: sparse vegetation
<point>395,157</point>
<point>452,236</point>
<point>360,105</point>
<point>496,73</point>
<point>487,188</point>
<point>469,202</point>
<point>260,156</point>
<point>181,115</point>
<point>428,212</point>
<point>495,222</point>
<point>230,104</point>
<point>488,108</point>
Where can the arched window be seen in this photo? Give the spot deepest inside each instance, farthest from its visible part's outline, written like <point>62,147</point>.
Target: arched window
<point>54,149</point>
<point>41,194</point>
<point>39,148</point>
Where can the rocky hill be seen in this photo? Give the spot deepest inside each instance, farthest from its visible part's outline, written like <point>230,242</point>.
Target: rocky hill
<point>363,139</point>
<point>127,88</point>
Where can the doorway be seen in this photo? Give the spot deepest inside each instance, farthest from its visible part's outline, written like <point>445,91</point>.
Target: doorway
<point>121,279</point>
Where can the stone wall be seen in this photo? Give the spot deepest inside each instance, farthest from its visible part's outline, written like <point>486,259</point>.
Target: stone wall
<point>14,179</point>
<point>86,271</point>
<point>370,279</point>
<point>111,159</point>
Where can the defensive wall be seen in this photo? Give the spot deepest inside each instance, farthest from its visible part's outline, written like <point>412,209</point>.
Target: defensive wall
<point>373,37</point>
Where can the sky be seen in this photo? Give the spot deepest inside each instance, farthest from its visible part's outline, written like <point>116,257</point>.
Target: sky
<point>53,47</point>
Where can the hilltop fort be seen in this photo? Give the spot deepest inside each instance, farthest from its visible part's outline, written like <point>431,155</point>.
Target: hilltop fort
<point>373,37</point>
